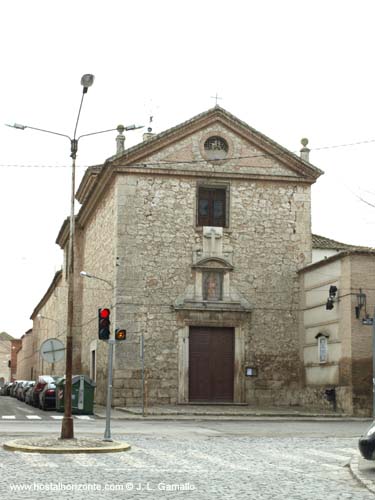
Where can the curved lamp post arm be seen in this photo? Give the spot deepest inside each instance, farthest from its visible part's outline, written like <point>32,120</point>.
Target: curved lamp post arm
<point>22,127</point>
<point>84,274</point>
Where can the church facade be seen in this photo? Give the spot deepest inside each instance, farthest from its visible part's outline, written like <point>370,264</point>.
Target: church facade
<point>197,235</point>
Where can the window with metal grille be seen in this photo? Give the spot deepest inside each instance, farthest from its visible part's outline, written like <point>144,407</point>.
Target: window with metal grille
<point>216,143</point>
<point>211,206</point>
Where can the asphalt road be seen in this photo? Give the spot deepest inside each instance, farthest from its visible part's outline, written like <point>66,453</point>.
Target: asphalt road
<point>195,459</point>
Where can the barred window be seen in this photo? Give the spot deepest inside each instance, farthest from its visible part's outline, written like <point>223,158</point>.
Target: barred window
<point>216,143</point>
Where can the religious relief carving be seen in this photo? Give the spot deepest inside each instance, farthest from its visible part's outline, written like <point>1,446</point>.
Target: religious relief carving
<point>212,241</point>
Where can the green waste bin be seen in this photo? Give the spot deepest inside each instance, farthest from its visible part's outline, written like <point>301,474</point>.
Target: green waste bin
<point>82,395</point>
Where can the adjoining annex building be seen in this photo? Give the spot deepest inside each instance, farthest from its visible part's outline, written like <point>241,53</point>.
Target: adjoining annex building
<point>198,235</point>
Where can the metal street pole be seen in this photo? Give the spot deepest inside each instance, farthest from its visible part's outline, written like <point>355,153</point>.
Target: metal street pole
<point>67,421</point>
<point>373,365</point>
<point>143,372</point>
<point>67,431</point>
<point>107,432</point>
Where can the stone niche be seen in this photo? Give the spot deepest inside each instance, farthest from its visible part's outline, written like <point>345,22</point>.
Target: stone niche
<point>211,287</point>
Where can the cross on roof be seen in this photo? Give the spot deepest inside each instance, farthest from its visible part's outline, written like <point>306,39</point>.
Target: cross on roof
<point>216,97</point>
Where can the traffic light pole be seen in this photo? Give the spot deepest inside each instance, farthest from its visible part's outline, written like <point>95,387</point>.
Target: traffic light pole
<point>373,365</point>
<point>107,433</point>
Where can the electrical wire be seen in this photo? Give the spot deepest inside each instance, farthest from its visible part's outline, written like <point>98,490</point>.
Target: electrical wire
<point>172,162</point>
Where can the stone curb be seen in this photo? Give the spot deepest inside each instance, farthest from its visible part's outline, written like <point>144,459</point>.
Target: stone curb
<point>356,473</point>
<point>114,447</point>
<point>258,416</point>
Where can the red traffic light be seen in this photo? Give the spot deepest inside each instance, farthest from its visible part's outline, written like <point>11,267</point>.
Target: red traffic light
<point>104,313</point>
<point>104,324</point>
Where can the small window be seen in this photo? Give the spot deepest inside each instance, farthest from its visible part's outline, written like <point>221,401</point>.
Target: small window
<point>212,285</point>
<point>212,207</point>
<point>215,148</point>
<point>323,349</point>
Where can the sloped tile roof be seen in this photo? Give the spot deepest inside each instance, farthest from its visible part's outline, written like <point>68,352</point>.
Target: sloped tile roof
<point>326,243</point>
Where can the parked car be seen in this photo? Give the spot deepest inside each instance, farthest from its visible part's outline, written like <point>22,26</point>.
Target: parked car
<point>366,444</point>
<point>47,397</point>
<point>4,389</point>
<point>38,387</point>
<point>20,388</point>
<point>23,389</point>
<point>9,388</point>
<point>14,389</point>
<point>29,393</point>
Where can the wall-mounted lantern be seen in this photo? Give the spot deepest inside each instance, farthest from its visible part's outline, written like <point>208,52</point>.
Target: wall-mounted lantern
<point>361,302</point>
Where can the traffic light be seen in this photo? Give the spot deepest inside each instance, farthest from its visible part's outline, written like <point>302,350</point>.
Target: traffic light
<point>329,304</point>
<point>120,334</point>
<point>103,323</point>
<point>331,298</point>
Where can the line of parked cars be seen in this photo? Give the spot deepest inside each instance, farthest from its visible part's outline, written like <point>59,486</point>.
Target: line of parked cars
<point>40,393</point>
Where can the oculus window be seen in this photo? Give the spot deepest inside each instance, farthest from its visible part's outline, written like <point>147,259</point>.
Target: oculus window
<point>215,148</point>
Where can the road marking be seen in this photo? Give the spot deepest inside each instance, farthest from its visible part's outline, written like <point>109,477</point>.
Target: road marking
<point>57,417</point>
<point>8,417</point>
<point>24,409</point>
<point>33,417</point>
<point>83,417</point>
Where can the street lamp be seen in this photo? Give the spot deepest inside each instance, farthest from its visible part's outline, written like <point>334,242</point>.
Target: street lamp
<point>84,274</point>
<point>67,431</point>
<point>40,316</point>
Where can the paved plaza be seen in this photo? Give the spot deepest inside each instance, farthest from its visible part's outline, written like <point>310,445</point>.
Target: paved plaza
<point>191,467</point>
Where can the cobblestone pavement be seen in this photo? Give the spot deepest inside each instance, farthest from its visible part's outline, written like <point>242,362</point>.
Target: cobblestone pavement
<point>230,467</point>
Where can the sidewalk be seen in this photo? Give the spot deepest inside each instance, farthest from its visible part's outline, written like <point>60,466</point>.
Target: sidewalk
<point>222,412</point>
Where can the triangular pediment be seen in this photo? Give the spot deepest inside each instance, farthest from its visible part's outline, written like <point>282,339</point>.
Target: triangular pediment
<point>181,150</point>
<point>249,152</point>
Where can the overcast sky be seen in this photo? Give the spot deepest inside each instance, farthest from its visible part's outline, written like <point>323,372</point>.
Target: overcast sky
<point>290,69</point>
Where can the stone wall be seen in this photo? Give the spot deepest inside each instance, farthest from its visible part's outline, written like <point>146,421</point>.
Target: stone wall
<point>140,234</point>
<point>97,257</point>
<point>269,235</point>
<point>27,357</point>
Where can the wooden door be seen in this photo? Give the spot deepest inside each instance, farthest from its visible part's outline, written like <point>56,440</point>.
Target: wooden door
<point>211,364</point>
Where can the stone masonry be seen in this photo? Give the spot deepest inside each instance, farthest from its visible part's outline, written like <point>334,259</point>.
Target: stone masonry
<point>137,230</point>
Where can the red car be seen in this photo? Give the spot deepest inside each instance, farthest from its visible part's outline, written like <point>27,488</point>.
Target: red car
<point>39,386</point>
